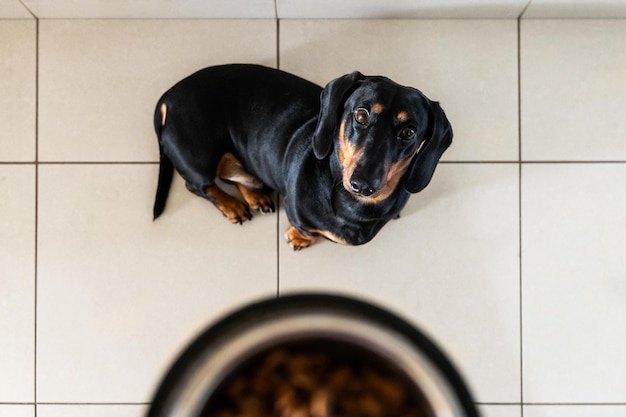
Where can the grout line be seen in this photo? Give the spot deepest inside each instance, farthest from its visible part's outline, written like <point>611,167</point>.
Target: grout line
<point>531,404</point>
<point>520,221</point>
<point>616,161</point>
<point>98,162</point>
<point>539,404</point>
<point>523,12</point>
<point>29,11</point>
<point>511,162</point>
<point>550,404</point>
<point>36,254</point>
<point>93,403</point>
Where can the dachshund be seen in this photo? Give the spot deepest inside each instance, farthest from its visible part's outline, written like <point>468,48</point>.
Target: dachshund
<point>345,157</point>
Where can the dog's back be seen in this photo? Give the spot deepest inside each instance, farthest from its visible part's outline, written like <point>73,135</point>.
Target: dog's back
<point>252,111</point>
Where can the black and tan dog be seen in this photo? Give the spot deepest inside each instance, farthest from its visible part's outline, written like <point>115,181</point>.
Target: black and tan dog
<point>345,158</point>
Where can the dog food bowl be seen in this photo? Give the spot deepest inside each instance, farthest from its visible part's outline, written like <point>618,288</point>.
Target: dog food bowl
<point>312,355</point>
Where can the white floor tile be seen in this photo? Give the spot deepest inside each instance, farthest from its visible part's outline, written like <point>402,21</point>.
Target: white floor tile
<point>151,9</point>
<point>580,9</point>
<point>573,92</point>
<point>402,9</point>
<point>575,410</point>
<point>119,294</point>
<point>450,263</point>
<point>17,84</point>
<point>10,410</point>
<point>100,79</point>
<point>500,410</point>
<point>13,9</point>
<point>17,283</point>
<point>574,218</point>
<point>105,410</point>
<point>470,66</point>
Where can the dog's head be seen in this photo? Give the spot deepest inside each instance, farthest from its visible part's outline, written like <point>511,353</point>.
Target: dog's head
<point>384,135</point>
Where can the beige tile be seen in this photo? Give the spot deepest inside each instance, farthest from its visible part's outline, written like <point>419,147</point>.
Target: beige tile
<point>10,410</point>
<point>574,217</point>
<point>573,92</point>
<point>574,410</point>
<point>100,79</point>
<point>100,410</point>
<point>13,9</point>
<point>579,9</point>
<point>151,9</point>
<point>404,9</point>
<point>119,294</point>
<point>17,83</point>
<point>500,410</point>
<point>450,264</point>
<point>17,283</point>
<point>470,66</point>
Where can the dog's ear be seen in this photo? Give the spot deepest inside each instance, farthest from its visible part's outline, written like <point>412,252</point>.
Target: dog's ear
<point>438,138</point>
<point>331,100</point>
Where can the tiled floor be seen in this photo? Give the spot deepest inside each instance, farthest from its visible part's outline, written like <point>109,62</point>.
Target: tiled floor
<point>513,259</point>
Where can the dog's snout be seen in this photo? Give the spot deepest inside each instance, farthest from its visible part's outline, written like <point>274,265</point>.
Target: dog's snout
<point>362,186</point>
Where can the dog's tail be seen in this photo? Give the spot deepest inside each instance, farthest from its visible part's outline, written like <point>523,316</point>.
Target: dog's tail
<point>166,168</point>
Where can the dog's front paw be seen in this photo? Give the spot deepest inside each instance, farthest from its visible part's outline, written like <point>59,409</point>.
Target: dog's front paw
<point>257,201</point>
<point>238,215</point>
<point>297,240</point>
<point>235,211</point>
<point>264,204</point>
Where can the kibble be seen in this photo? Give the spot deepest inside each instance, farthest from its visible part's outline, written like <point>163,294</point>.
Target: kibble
<point>301,382</point>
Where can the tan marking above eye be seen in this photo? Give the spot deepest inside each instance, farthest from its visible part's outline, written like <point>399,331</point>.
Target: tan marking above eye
<point>377,108</point>
<point>403,116</point>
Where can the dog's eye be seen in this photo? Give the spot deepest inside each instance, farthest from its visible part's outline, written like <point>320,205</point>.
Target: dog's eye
<point>407,133</point>
<point>362,116</point>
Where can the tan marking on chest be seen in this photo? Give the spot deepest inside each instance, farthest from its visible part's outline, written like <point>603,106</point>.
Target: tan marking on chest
<point>330,236</point>
<point>230,169</point>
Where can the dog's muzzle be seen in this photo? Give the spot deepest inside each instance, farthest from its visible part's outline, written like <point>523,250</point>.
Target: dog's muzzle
<point>362,186</point>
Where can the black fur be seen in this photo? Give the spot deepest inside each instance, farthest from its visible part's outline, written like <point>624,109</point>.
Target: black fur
<point>285,131</point>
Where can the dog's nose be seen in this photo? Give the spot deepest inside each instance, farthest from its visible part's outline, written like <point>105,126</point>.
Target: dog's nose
<point>362,187</point>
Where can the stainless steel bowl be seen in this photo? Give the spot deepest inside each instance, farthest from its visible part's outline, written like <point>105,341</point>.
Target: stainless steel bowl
<point>189,385</point>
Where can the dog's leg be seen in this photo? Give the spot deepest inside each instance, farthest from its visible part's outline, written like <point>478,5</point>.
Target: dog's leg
<point>297,240</point>
<point>256,201</point>
<point>235,211</point>
<point>230,169</point>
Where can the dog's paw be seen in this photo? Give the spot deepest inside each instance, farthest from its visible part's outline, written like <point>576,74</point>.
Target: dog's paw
<point>257,201</point>
<point>297,240</point>
<point>263,203</point>
<point>236,212</point>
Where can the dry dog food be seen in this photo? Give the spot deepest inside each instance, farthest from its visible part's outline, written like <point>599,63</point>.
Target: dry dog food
<point>304,382</point>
